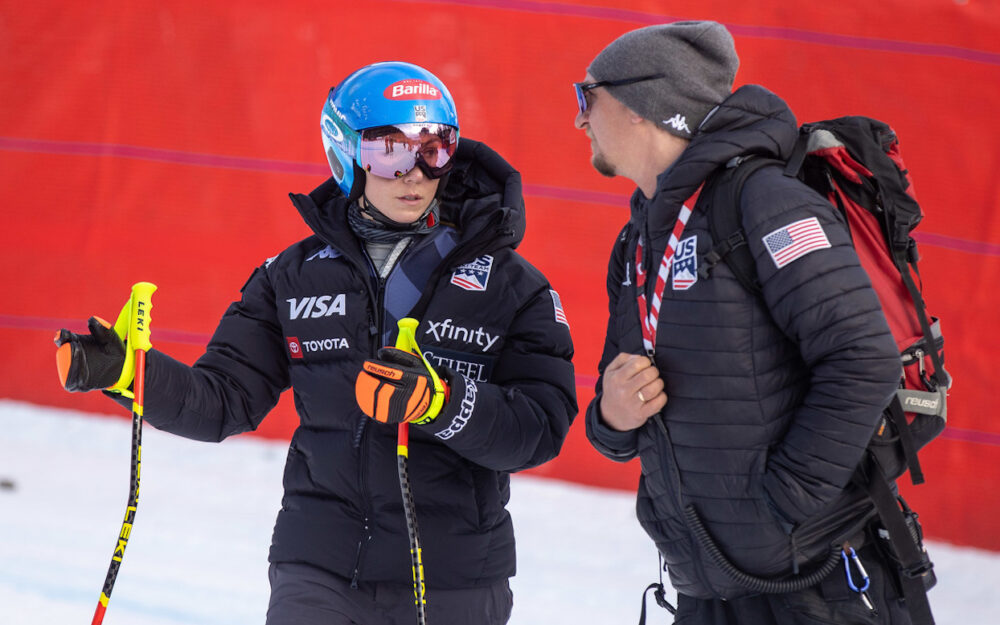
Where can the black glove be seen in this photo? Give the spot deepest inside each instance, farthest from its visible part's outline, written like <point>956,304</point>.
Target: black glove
<point>89,361</point>
<point>399,387</point>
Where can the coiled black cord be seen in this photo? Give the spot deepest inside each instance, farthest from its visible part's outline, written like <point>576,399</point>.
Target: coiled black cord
<point>752,582</point>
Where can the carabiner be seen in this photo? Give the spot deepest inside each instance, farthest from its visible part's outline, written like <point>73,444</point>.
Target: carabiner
<point>853,557</point>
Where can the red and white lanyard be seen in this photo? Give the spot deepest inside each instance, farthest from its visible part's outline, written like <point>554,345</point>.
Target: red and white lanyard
<point>649,314</point>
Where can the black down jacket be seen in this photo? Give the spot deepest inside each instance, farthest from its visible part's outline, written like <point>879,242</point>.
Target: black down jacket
<point>771,399</point>
<point>307,319</point>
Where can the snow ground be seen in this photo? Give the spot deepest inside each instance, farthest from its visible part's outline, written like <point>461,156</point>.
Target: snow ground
<point>197,555</point>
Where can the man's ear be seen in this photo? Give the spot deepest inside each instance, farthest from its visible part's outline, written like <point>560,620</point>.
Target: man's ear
<point>635,118</point>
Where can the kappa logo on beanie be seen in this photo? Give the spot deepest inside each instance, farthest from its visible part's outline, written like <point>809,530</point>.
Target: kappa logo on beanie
<point>678,122</point>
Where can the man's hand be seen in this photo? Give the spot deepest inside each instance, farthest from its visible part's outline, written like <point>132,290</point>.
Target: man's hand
<point>632,392</point>
<point>398,388</point>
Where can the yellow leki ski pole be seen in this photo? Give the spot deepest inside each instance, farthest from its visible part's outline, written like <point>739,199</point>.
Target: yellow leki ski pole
<point>407,341</point>
<point>132,327</point>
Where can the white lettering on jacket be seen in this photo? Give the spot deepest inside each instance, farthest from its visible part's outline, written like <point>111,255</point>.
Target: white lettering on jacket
<point>317,306</point>
<point>324,345</point>
<point>474,370</point>
<point>464,412</point>
<point>447,330</point>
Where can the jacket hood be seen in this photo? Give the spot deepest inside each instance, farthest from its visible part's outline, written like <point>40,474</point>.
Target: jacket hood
<point>479,174</point>
<point>482,198</point>
<point>752,120</point>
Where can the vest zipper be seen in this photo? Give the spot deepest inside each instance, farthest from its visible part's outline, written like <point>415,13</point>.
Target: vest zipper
<point>375,322</point>
<point>365,539</point>
<point>360,438</point>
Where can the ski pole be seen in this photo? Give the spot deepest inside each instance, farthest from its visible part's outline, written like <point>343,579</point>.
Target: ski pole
<point>132,325</point>
<point>407,341</point>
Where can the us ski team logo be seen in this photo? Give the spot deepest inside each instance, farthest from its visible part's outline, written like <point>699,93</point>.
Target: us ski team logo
<point>685,265</point>
<point>475,275</point>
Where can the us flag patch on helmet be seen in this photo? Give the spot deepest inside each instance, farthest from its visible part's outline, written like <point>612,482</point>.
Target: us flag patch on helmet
<point>474,276</point>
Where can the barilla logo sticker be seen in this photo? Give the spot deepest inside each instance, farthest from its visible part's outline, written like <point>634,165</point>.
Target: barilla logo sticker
<point>294,347</point>
<point>474,276</point>
<point>412,89</point>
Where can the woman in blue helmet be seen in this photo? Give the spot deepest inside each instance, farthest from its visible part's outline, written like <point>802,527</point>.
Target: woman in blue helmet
<point>417,223</point>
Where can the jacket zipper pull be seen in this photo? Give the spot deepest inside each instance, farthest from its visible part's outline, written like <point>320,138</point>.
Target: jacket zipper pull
<point>357,559</point>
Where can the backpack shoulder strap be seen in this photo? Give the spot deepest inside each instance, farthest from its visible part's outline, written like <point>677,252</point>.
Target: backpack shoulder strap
<point>721,199</point>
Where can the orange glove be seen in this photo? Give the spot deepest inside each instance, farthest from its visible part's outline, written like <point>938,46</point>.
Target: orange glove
<point>399,387</point>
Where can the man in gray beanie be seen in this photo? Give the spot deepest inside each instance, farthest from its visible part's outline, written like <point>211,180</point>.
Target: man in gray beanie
<point>733,400</point>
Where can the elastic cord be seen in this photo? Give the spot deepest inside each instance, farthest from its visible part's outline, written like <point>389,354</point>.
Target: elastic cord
<point>752,582</point>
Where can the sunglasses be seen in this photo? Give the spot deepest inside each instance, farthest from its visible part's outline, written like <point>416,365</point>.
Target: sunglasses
<point>583,87</point>
<point>392,151</point>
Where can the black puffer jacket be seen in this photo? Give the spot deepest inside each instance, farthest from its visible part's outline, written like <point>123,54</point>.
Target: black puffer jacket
<point>310,316</point>
<point>772,399</point>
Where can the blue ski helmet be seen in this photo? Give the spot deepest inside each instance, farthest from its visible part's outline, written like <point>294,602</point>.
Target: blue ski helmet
<point>381,94</point>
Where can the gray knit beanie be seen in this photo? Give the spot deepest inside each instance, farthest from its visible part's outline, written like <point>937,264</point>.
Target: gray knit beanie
<point>698,61</point>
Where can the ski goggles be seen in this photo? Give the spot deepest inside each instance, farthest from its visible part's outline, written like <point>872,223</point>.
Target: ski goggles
<point>392,151</point>
<point>583,87</point>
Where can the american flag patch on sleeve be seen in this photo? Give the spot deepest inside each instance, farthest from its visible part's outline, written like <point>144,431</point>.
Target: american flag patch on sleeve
<point>795,241</point>
<point>560,313</point>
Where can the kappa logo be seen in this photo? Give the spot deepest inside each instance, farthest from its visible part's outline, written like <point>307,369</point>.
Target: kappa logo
<point>441,330</point>
<point>412,89</point>
<point>317,306</point>
<point>464,412</point>
<point>685,264</point>
<point>326,252</point>
<point>474,276</point>
<point>679,122</point>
